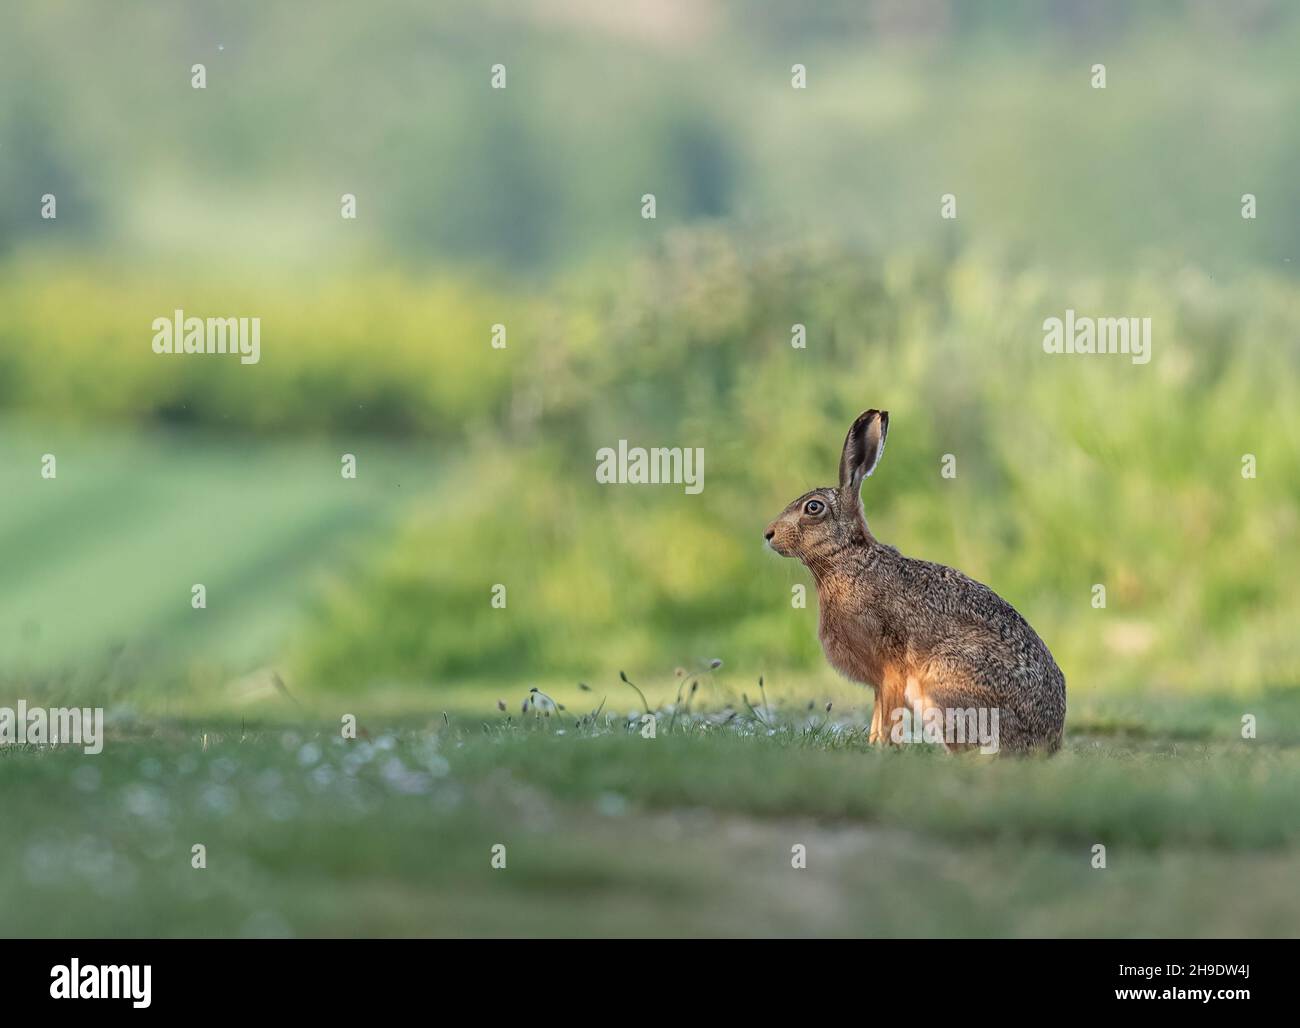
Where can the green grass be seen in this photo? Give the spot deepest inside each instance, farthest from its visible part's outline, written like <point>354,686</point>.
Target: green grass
<point>373,598</point>
<point>610,833</point>
<point>776,206</point>
<point>100,560</point>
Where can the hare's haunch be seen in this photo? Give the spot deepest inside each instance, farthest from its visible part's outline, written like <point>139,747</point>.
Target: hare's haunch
<point>940,650</point>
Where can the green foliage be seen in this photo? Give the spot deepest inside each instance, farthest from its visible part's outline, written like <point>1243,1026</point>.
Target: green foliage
<point>991,102</point>
<point>1071,471</point>
<point>376,353</point>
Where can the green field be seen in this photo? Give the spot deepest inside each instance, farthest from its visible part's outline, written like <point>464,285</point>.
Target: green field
<point>100,560</point>
<point>498,312</point>
<point>371,597</point>
<point>688,833</point>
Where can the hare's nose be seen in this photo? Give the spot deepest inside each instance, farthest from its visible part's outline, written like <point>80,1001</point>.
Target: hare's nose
<point>769,533</point>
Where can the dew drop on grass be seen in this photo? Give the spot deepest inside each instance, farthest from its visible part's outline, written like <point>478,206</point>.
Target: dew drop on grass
<point>282,807</point>
<point>145,801</point>
<point>42,863</point>
<point>223,769</point>
<point>269,782</point>
<point>611,804</point>
<point>218,799</point>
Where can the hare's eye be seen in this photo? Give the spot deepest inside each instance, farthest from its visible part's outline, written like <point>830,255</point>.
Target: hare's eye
<point>814,507</point>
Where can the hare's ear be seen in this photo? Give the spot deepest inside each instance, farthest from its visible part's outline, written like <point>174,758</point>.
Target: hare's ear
<point>862,449</point>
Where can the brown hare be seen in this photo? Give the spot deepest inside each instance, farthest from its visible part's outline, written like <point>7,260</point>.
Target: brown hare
<point>927,639</point>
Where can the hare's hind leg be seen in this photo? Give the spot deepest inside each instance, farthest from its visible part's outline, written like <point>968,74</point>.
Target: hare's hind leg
<point>964,713</point>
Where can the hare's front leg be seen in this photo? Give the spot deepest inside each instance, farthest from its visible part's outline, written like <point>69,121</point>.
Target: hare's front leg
<point>874,737</point>
<point>888,700</point>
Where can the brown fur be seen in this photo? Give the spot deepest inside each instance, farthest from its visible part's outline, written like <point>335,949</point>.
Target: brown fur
<point>922,635</point>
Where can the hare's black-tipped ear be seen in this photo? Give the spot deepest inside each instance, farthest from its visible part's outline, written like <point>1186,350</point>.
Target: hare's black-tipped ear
<point>862,449</point>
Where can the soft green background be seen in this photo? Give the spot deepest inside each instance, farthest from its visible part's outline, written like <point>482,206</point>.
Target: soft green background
<point>522,207</point>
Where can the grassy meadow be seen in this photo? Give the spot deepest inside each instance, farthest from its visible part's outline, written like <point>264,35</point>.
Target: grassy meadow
<point>690,833</point>
<point>371,598</point>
